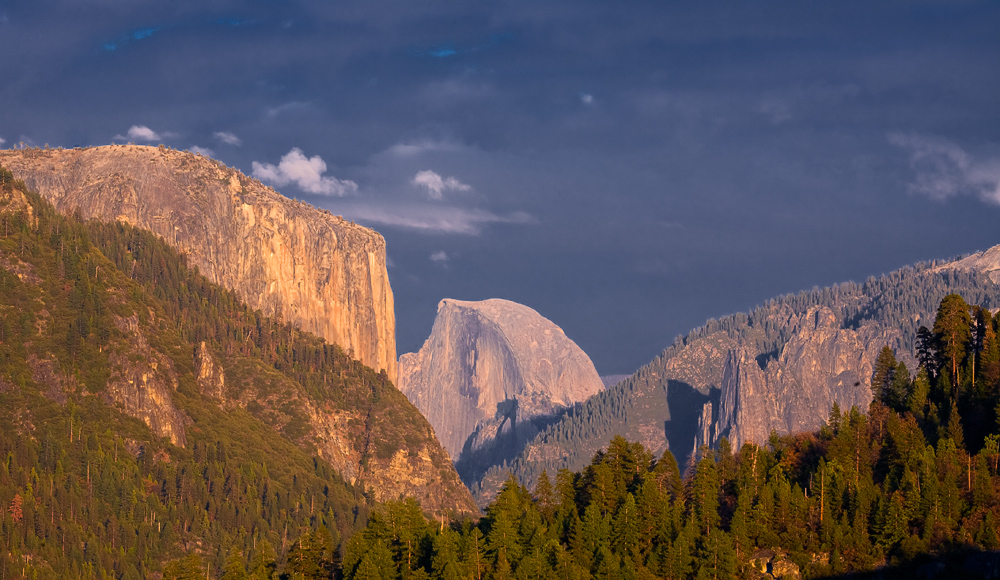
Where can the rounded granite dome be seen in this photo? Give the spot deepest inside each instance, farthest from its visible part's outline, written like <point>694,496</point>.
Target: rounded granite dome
<point>491,367</point>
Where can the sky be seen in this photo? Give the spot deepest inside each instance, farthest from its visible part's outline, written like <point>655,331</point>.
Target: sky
<point>628,169</point>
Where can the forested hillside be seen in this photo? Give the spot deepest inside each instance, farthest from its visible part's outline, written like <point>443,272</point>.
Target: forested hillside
<point>146,413</point>
<point>661,403</point>
<point>912,479</point>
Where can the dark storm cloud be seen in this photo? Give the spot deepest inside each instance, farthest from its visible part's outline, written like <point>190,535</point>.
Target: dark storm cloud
<point>626,169</point>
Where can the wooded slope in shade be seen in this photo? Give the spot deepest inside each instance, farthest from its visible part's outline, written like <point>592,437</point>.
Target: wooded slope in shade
<point>145,412</point>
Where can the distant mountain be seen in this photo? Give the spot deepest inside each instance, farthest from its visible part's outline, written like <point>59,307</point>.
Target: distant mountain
<point>145,411</point>
<point>780,367</point>
<point>320,272</point>
<point>491,374</point>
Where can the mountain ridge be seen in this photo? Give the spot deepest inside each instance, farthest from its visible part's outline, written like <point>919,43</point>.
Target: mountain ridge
<point>663,404</point>
<point>111,312</point>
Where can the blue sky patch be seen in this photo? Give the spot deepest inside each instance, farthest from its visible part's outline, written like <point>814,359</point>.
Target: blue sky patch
<point>234,22</point>
<point>135,35</point>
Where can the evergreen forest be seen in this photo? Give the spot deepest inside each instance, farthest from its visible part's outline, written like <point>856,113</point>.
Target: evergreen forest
<point>89,491</point>
<point>911,480</point>
<point>904,300</point>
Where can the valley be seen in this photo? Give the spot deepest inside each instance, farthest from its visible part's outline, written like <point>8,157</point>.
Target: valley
<point>221,394</point>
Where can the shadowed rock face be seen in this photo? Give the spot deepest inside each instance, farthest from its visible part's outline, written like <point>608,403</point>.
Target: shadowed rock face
<point>316,270</point>
<point>489,371</point>
<point>821,364</point>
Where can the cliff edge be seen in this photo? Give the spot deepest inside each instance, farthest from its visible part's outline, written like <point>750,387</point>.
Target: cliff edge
<point>320,272</point>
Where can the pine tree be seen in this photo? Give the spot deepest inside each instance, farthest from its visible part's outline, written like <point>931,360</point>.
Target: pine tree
<point>899,388</point>
<point>884,371</point>
<point>234,569</point>
<point>705,493</point>
<point>952,329</point>
<point>625,529</point>
<point>920,388</point>
<point>545,497</point>
<point>444,564</point>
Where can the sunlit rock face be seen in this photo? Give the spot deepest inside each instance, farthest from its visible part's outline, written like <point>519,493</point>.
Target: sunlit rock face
<point>489,374</point>
<point>318,271</point>
<point>821,364</point>
<point>987,262</point>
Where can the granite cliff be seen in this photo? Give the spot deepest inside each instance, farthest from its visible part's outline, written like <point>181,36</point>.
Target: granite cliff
<point>110,318</point>
<point>322,273</point>
<point>490,374</point>
<point>823,363</point>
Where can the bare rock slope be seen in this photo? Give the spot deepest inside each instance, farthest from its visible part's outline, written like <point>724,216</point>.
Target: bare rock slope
<point>318,271</point>
<point>489,374</point>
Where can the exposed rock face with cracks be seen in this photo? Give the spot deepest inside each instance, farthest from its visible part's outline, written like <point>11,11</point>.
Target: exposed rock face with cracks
<point>821,364</point>
<point>489,374</point>
<point>318,271</point>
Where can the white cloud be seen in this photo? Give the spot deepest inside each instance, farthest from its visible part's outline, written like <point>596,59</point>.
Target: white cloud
<point>436,185</point>
<point>418,147</point>
<point>203,150</point>
<point>141,133</point>
<point>286,107</point>
<point>432,219</point>
<point>439,256</point>
<point>943,169</point>
<point>587,98</point>
<point>228,138</point>
<point>306,173</point>
<point>2,140</point>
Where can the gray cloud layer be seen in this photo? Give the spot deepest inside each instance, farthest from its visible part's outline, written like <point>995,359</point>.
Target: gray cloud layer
<point>633,168</point>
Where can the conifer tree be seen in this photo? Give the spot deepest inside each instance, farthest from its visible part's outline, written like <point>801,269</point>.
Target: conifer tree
<point>952,331</point>
<point>705,493</point>
<point>882,377</point>
<point>545,497</point>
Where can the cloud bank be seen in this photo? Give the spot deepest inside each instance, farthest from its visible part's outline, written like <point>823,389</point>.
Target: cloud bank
<point>944,170</point>
<point>433,219</point>
<point>436,185</point>
<point>305,173</point>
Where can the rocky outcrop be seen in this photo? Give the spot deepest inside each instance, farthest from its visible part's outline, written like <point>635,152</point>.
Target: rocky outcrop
<point>392,452</point>
<point>318,271</point>
<point>143,386</point>
<point>987,262</point>
<point>675,400</point>
<point>489,372</point>
<point>821,364</point>
<point>211,378</point>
